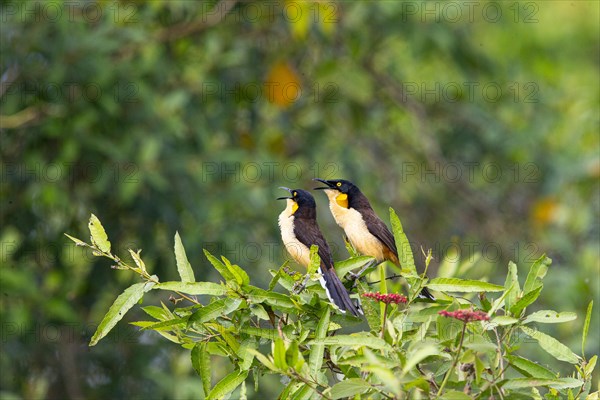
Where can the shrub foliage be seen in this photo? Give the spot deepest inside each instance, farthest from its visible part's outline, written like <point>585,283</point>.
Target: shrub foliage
<point>454,348</point>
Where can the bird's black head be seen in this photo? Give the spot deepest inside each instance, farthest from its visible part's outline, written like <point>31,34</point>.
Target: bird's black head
<point>303,202</point>
<point>341,185</point>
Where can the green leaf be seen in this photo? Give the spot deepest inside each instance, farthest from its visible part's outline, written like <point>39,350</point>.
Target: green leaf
<point>193,288</point>
<point>77,241</point>
<point>304,392</point>
<point>315,360</point>
<point>345,266</point>
<point>556,383</point>
<point>503,320</point>
<point>454,395</point>
<point>240,276</point>
<point>135,255</point>
<point>98,235</point>
<point>227,385</point>
<point>512,278</point>
<point>183,265</point>
<point>462,285</point>
<point>157,326</point>
<point>589,367</point>
<point>155,312</point>
<point>536,273</point>
<point>201,363</point>
<point>357,339</point>
<point>117,311</point>
<point>417,354</point>
<point>498,302</point>
<point>266,333</point>
<point>349,388</point>
<point>244,353</point>
<point>525,301</point>
<point>219,266</point>
<point>263,360</point>
<point>214,310</point>
<point>315,260</point>
<point>552,346</point>
<point>550,317</point>
<point>530,368</point>
<point>279,354</point>
<point>405,254</point>
<point>586,326</point>
<point>274,299</point>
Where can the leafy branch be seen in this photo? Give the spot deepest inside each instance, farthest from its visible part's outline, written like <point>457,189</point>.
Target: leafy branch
<point>401,352</point>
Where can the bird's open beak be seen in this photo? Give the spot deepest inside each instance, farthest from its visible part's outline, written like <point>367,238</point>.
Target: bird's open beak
<point>285,197</point>
<point>329,184</point>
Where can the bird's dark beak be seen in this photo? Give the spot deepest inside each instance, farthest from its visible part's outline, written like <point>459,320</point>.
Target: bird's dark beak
<point>329,184</point>
<point>285,197</point>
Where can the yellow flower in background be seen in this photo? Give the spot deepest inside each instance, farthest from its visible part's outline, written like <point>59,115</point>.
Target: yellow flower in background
<point>282,84</point>
<point>302,14</point>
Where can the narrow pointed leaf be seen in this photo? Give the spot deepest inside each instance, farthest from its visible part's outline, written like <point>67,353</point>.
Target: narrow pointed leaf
<point>462,285</point>
<point>552,346</point>
<point>353,340</point>
<point>240,276</point>
<point>405,254</point>
<point>351,264</point>
<point>77,241</point>
<point>186,273</point>
<point>556,383</point>
<point>135,255</point>
<point>586,326</point>
<point>500,300</point>
<point>530,368</point>
<point>536,273</point>
<point>227,385</point>
<point>194,288</point>
<point>418,354</point>
<point>201,363</point>
<point>246,356</point>
<point>550,317</point>
<point>117,311</point>
<point>214,310</point>
<point>279,354</point>
<point>98,235</point>
<point>526,300</point>
<point>315,360</point>
<point>315,260</point>
<point>219,266</point>
<point>349,388</point>
<point>512,278</point>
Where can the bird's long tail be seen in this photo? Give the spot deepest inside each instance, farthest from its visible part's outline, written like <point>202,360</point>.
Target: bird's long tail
<point>336,291</point>
<point>426,294</point>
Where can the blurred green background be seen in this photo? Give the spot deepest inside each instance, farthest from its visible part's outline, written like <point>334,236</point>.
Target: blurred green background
<point>477,121</point>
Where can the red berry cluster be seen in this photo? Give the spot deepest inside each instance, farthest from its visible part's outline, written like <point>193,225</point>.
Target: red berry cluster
<point>466,315</point>
<point>386,298</point>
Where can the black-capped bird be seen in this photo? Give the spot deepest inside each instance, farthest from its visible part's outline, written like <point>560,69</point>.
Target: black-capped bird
<point>368,234</point>
<point>299,231</point>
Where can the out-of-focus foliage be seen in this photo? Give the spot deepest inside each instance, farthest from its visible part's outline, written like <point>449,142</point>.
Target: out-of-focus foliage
<point>478,121</point>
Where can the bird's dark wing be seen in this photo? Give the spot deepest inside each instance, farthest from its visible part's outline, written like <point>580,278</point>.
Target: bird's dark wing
<point>379,229</point>
<point>308,233</point>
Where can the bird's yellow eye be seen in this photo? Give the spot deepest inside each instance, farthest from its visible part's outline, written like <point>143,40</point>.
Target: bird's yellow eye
<point>295,194</point>
<point>339,184</point>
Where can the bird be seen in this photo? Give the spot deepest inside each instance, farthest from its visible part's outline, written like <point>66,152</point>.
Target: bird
<point>367,233</point>
<point>299,231</point>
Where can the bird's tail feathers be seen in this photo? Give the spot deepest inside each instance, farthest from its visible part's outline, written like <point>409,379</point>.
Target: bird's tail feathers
<point>337,293</point>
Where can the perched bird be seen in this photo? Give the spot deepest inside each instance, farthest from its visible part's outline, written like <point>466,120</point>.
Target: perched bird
<point>299,231</point>
<point>368,234</point>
